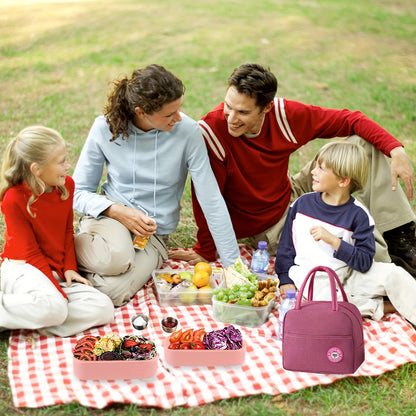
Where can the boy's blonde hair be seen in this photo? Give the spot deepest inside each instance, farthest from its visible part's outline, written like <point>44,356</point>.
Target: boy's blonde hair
<point>32,145</point>
<point>346,160</point>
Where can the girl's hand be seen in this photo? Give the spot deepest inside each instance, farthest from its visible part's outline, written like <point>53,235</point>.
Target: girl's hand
<point>73,276</point>
<point>135,220</point>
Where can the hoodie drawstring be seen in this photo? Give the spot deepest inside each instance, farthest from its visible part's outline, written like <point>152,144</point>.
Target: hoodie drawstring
<point>154,176</point>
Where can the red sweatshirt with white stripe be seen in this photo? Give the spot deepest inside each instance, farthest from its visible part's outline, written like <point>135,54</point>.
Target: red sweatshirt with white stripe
<point>252,172</point>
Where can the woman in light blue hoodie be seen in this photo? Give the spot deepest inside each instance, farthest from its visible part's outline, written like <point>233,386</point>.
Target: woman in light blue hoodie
<point>145,147</point>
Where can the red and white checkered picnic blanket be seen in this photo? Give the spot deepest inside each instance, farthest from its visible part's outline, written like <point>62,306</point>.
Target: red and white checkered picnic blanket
<point>41,369</point>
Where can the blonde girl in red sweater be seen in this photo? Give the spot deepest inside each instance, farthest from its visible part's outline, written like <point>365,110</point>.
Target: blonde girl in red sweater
<point>40,284</point>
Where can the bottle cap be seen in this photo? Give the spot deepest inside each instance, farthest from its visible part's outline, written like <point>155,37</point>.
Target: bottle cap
<point>262,245</point>
<point>291,293</point>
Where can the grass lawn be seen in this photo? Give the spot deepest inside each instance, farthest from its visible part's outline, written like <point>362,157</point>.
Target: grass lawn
<point>58,57</point>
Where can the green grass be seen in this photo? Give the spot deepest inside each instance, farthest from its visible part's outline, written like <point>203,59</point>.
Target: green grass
<point>58,57</point>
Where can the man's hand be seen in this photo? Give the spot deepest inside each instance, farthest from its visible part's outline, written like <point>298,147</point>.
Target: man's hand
<point>402,168</point>
<point>186,255</point>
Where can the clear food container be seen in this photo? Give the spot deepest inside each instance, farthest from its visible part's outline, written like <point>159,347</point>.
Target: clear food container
<point>183,293</point>
<point>249,316</point>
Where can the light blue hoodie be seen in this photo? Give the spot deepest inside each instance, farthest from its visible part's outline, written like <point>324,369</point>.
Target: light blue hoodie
<point>149,170</point>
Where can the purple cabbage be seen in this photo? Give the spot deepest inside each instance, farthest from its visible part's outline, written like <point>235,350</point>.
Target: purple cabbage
<point>228,338</point>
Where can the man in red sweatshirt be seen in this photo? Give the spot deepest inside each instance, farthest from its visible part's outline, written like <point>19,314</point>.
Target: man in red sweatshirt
<point>250,137</point>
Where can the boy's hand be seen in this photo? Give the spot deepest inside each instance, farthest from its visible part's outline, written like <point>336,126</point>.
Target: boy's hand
<point>283,289</point>
<point>320,233</point>
<point>73,276</point>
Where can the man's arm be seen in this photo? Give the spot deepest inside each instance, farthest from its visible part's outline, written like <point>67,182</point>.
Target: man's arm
<point>308,122</point>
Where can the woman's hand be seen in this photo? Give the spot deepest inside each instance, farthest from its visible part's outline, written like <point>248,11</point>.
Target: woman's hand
<point>135,220</point>
<point>73,276</point>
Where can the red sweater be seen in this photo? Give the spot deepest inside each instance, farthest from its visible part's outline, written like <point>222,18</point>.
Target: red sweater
<point>252,173</point>
<point>46,241</point>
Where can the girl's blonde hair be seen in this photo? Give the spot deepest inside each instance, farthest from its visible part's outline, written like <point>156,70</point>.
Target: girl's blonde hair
<point>346,160</point>
<point>32,145</point>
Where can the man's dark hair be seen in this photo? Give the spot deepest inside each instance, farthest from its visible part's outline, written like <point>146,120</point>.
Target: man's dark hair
<point>255,81</point>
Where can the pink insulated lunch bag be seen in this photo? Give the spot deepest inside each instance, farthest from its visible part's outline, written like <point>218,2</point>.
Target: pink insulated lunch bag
<point>323,336</point>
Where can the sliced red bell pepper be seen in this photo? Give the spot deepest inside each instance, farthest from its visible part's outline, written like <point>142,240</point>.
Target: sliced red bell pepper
<point>187,335</point>
<point>198,334</point>
<point>176,336</point>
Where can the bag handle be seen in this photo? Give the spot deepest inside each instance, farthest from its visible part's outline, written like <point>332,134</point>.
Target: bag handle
<point>332,279</point>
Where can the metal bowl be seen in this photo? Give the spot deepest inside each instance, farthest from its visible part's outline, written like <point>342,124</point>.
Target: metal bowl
<point>169,324</point>
<point>140,321</point>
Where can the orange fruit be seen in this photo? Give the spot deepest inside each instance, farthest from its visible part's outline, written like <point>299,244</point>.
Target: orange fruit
<point>201,278</point>
<point>202,265</point>
<point>205,294</point>
<point>208,286</point>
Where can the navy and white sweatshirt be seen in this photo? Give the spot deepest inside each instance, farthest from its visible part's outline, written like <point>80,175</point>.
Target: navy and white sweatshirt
<point>298,252</point>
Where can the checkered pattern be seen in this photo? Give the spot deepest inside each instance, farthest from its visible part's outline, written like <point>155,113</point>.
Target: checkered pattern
<point>41,369</point>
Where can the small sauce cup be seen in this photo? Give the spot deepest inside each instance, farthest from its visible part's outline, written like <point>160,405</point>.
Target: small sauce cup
<point>169,324</point>
<point>140,321</point>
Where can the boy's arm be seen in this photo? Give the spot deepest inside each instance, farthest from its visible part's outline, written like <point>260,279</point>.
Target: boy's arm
<point>320,233</point>
<point>285,253</point>
<point>358,256</point>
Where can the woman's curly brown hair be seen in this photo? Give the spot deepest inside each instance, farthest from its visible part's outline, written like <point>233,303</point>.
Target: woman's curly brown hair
<point>149,88</point>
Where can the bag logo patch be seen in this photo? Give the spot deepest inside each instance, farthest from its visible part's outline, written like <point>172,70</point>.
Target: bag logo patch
<point>334,355</point>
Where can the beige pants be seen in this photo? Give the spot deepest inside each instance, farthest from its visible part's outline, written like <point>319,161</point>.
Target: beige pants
<point>29,300</point>
<point>106,256</point>
<point>390,209</point>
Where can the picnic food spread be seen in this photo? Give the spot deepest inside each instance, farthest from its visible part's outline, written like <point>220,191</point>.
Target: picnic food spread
<point>233,287</point>
<point>228,338</point>
<point>186,287</point>
<point>243,287</point>
<point>113,347</point>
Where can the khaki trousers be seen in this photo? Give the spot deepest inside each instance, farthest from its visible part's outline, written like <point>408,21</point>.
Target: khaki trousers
<point>106,256</point>
<point>390,209</point>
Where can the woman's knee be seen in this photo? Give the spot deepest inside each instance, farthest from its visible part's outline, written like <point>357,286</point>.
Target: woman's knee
<point>99,255</point>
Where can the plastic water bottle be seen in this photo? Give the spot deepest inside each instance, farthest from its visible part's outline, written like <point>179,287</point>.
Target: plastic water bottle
<point>286,305</point>
<point>260,261</point>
